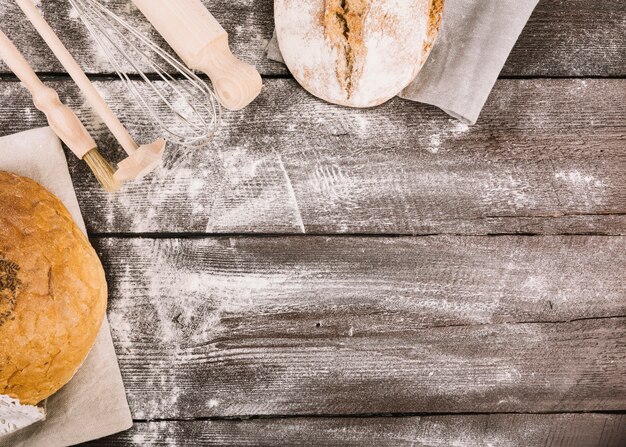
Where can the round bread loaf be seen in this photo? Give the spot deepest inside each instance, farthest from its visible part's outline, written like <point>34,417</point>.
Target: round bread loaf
<point>357,53</point>
<point>53,292</point>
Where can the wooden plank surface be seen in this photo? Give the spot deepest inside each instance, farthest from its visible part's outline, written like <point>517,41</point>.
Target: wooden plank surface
<point>496,430</point>
<point>547,157</point>
<point>329,326</point>
<point>562,38</point>
<point>314,325</point>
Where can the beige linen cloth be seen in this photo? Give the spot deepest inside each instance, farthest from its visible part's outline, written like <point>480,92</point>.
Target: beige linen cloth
<point>474,42</point>
<point>93,404</point>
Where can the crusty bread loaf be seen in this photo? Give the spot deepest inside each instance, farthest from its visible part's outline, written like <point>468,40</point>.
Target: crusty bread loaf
<point>52,292</point>
<point>357,53</point>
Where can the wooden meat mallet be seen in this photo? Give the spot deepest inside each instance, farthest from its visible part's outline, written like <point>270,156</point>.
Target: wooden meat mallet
<point>201,42</point>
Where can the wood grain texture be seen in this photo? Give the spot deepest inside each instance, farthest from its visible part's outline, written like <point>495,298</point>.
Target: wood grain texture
<point>562,38</point>
<point>572,38</point>
<point>496,430</point>
<point>353,325</point>
<point>547,157</point>
<point>313,325</point>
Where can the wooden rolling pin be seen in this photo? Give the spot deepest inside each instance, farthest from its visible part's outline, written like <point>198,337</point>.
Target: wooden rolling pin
<point>201,42</point>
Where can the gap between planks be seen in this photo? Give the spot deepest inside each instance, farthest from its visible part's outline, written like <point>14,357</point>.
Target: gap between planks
<point>252,417</point>
<point>6,76</point>
<point>201,235</point>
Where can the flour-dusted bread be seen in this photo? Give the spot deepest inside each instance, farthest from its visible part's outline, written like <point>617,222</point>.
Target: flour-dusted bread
<point>53,292</point>
<point>357,53</point>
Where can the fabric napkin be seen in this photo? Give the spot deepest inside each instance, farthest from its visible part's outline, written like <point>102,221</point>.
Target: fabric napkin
<point>93,404</point>
<point>474,42</point>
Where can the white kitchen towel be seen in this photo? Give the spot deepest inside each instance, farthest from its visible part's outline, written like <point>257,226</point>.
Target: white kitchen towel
<point>93,404</point>
<point>475,41</point>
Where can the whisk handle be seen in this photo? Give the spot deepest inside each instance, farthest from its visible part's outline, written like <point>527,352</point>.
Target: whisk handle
<point>236,83</point>
<point>61,119</point>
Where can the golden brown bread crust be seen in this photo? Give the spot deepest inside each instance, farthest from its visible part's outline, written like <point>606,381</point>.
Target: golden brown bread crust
<point>52,292</point>
<point>339,17</point>
<point>434,25</point>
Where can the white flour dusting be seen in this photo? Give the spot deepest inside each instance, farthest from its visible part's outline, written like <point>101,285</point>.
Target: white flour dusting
<point>576,178</point>
<point>187,301</point>
<point>29,113</point>
<point>440,135</point>
<point>435,142</point>
<point>332,183</point>
<point>509,189</point>
<point>182,305</point>
<point>74,14</point>
<point>255,188</point>
<point>292,195</point>
<point>585,188</point>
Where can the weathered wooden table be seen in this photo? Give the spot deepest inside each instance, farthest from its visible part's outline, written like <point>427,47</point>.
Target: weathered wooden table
<point>326,276</point>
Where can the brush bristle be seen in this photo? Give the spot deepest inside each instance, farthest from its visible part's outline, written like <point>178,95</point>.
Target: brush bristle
<point>103,170</point>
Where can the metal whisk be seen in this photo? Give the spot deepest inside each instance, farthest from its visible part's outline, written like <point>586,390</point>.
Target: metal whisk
<point>180,103</point>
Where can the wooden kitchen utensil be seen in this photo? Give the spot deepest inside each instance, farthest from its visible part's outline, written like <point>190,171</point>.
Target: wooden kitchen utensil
<point>357,53</point>
<point>62,120</point>
<point>172,96</point>
<point>202,43</point>
<point>141,159</point>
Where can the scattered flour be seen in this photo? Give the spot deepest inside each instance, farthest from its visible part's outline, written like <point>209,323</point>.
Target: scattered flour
<point>460,127</point>
<point>438,137</point>
<point>514,191</point>
<point>292,195</point>
<point>139,439</point>
<point>362,122</point>
<point>255,188</point>
<point>585,189</point>
<point>182,307</point>
<point>435,142</point>
<point>578,179</point>
<point>29,113</point>
<point>74,14</point>
<point>507,374</point>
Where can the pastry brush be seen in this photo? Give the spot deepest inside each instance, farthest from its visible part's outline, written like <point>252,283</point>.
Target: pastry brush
<point>61,119</point>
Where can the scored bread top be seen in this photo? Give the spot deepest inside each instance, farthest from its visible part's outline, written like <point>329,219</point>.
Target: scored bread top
<point>53,292</point>
<point>357,53</point>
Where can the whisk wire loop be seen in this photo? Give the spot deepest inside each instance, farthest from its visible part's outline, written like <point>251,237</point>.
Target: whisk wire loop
<point>182,106</point>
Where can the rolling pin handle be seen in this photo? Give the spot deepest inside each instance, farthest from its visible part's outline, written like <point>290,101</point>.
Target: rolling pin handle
<point>236,83</point>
